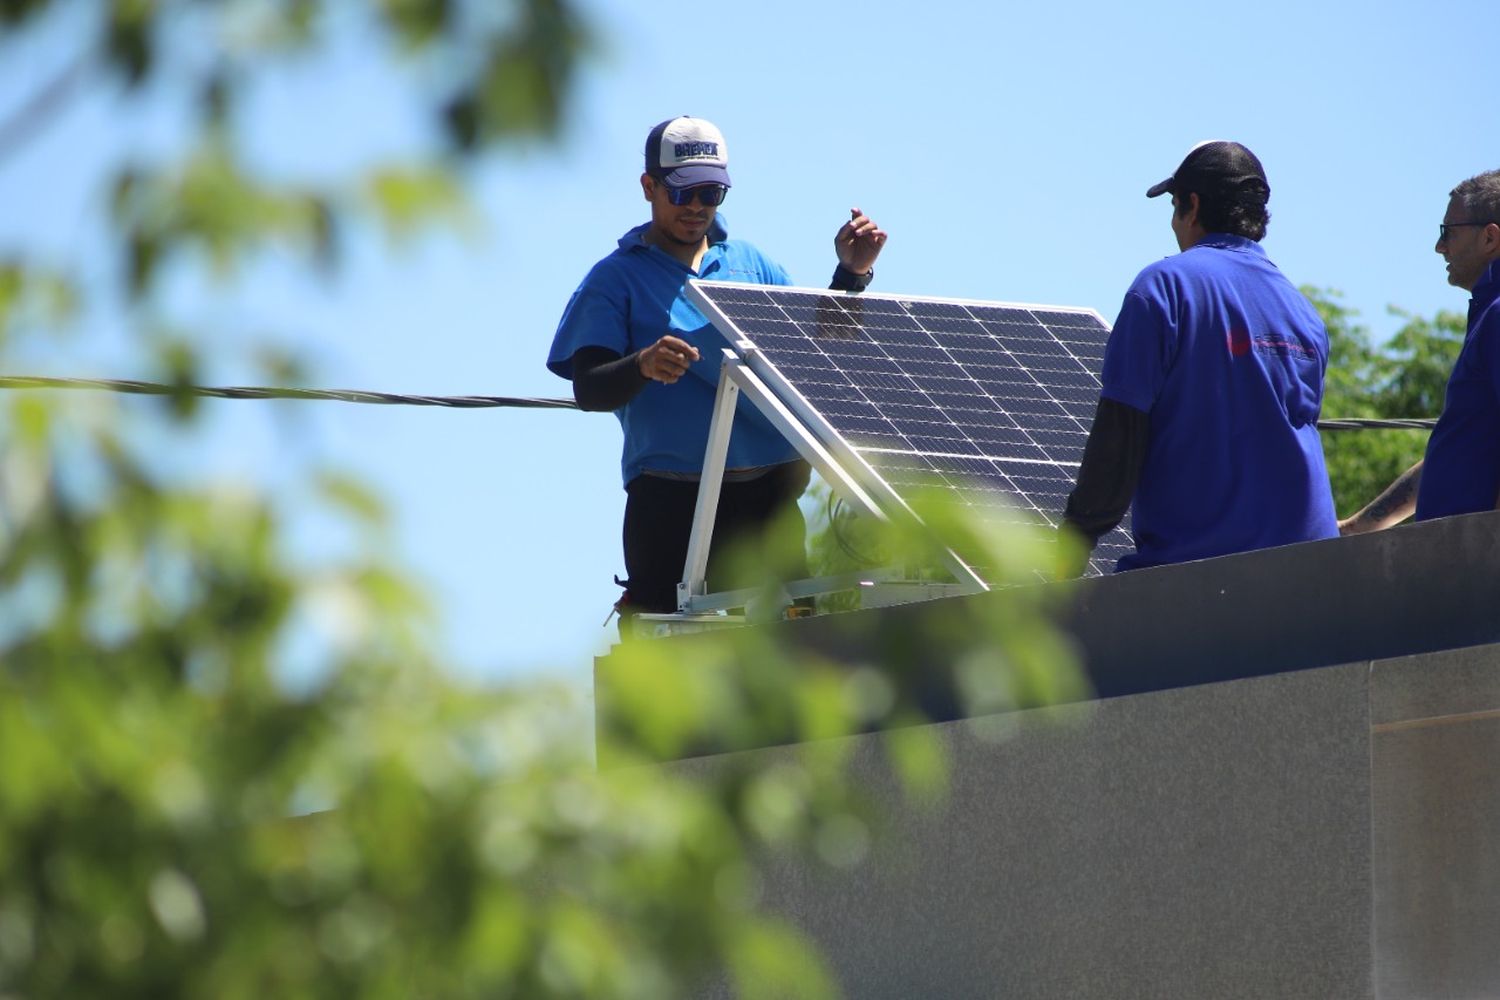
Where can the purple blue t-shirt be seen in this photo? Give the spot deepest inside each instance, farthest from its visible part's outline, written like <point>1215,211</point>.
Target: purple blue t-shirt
<point>1461,472</point>
<point>1227,357</point>
<point>628,301</point>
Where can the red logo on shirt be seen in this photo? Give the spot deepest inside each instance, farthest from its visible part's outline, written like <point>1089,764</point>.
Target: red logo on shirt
<point>1271,345</point>
<point>1239,343</point>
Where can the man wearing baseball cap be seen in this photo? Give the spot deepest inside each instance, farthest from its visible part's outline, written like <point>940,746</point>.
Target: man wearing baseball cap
<point>630,342</point>
<point>1462,461</point>
<point>1212,384</point>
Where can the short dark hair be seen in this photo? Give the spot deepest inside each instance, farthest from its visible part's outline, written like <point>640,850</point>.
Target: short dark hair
<point>1480,196</point>
<point>1240,211</point>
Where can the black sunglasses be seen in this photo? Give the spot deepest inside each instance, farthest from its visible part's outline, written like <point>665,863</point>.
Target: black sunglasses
<point>709,194</point>
<point>1443,227</point>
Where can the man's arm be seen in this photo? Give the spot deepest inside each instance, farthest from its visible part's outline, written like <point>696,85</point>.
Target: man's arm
<point>1394,505</point>
<point>1110,471</point>
<point>604,380</point>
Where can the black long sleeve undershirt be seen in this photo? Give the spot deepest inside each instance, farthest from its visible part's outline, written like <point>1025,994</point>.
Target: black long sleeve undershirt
<point>604,381</point>
<point>1110,471</point>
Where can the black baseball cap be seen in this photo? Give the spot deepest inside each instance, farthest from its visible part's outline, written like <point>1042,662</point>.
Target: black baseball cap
<point>1216,166</point>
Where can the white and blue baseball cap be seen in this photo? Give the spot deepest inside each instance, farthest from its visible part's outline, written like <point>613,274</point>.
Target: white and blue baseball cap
<point>687,151</point>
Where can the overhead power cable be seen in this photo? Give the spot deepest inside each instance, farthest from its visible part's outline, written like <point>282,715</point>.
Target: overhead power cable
<point>1369,423</point>
<point>264,392</point>
<point>462,402</point>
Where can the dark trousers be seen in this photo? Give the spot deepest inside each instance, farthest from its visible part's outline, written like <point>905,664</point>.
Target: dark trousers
<point>659,521</point>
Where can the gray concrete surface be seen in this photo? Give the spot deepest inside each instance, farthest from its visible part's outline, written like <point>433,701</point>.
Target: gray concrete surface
<point>1322,834</point>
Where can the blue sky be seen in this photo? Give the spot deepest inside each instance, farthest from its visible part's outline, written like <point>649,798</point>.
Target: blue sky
<point>1006,148</point>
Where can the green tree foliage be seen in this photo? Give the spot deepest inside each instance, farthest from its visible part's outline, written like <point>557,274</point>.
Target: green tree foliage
<point>180,815</point>
<point>1404,378</point>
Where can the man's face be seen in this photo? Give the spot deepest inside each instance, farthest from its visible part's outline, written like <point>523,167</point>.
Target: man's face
<point>1468,249</point>
<point>685,224</point>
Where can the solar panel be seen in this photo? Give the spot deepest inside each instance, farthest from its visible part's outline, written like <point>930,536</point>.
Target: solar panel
<point>990,402</point>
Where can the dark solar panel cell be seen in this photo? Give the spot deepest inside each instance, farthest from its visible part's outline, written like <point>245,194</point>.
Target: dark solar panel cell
<point>948,377</point>
<point>831,404</point>
<point>808,311</point>
<point>954,324</point>
<point>868,307</point>
<point>959,403</point>
<point>740,295</point>
<point>1006,374</point>
<point>942,375</point>
<point>1068,320</point>
<point>1089,337</point>
<point>1002,315</point>
<point>970,477</point>
<point>997,442</point>
<point>1083,395</point>
<point>837,394</point>
<point>1058,421</point>
<point>912,409</point>
<point>916,353</point>
<point>867,366</point>
<point>935,440</point>
<point>1083,377</point>
<point>864,425</point>
<point>1021,338</point>
<point>1016,393</point>
<point>1038,362</point>
<point>849,347</point>
<point>973,358</point>
<point>766,329</point>
<point>896,330</point>
<point>892,388</point>
<point>988,418</point>
<point>780,337</point>
<point>974,337</point>
<point>812,370</point>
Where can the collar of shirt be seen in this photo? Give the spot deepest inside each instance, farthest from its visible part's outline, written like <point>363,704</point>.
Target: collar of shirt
<point>717,233</point>
<point>1228,241</point>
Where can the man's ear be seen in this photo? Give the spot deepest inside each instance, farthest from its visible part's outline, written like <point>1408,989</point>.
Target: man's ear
<point>648,184</point>
<point>1490,234</point>
<point>1191,215</point>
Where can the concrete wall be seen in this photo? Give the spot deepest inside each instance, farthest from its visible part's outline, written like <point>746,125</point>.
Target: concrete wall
<point>1435,818</point>
<point>1318,834</point>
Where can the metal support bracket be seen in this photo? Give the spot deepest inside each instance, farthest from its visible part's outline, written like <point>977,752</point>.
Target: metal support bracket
<point>736,377</point>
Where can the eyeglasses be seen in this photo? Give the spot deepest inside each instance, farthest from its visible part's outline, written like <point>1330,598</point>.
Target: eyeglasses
<point>1443,227</point>
<point>709,194</point>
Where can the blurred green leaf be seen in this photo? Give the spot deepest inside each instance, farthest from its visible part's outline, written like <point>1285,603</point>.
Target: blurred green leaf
<point>407,200</point>
<point>353,498</point>
<point>129,41</point>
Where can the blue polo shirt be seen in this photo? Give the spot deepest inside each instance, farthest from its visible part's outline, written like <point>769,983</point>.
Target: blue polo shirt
<point>628,301</point>
<point>1228,359</point>
<point>1461,472</point>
